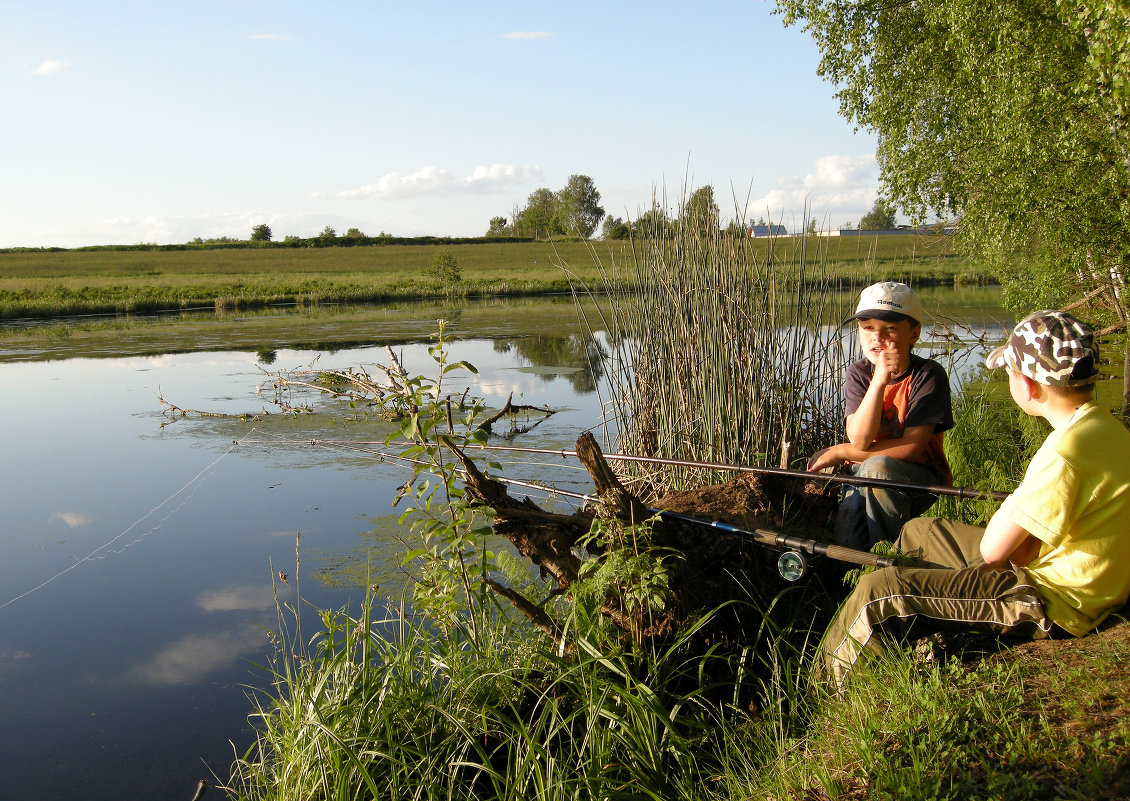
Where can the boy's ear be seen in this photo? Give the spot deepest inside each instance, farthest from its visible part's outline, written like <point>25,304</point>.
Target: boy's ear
<point>1032,387</point>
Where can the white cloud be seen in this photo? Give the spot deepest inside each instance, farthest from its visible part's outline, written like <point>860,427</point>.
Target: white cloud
<point>71,519</point>
<point>433,180</point>
<point>427,181</point>
<point>498,176</point>
<point>528,35</point>
<point>838,186</point>
<point>50,66</point>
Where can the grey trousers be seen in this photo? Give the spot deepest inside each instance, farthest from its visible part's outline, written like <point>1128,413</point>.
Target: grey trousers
<point>953,591</point>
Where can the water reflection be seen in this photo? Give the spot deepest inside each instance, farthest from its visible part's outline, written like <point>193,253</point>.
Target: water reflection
<point>193,658</point>
<point>71,519</point>
<point>260,597</point>
<point>139,562</point>
<point>580,360</point>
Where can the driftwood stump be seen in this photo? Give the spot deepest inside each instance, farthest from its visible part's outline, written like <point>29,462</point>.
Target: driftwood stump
<point>711,568</point>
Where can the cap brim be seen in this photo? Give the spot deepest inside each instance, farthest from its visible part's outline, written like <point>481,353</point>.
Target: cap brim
<point>886,315</point>
<point>995,359</point>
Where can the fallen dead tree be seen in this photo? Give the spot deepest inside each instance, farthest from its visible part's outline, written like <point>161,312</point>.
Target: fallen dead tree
<point>698,567</point>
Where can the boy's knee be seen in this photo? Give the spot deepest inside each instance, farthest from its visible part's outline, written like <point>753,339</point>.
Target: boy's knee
<point>878,467</point>
<point>916,532</point>
<point>876,584</point>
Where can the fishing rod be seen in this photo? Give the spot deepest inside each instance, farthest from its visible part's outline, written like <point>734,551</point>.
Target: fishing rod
<point>962,493</point>
<point>792,564</point>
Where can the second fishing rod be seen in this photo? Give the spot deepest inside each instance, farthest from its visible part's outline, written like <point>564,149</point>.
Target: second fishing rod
<point>961,493</point>
<point>792,563</point>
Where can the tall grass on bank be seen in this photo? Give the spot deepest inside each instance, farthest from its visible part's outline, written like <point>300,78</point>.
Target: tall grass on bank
<point>725,351</point>
<point>395,708</point>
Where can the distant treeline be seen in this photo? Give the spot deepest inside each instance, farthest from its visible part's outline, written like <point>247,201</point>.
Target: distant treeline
<point>289,242</point>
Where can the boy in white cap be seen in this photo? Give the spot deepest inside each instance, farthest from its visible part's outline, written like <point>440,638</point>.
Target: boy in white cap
<point>1053,558</point>
<point>898,405</point>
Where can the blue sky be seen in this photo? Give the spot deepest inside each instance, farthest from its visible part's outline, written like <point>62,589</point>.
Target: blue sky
<point>129,122</point>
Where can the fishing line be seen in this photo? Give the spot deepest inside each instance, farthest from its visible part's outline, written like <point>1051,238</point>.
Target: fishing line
<point>367,446</point>
<point>194,483</point>
<point>356,447</point>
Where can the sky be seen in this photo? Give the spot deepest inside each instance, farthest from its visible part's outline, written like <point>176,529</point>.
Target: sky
<point>148,121</point>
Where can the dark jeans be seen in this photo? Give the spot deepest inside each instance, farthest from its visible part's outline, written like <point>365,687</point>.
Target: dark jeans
<point>869,514</point>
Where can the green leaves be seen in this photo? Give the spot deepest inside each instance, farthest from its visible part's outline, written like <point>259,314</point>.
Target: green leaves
<point>1012,116</point>
<point>451,561</point>
<point>625,570</point>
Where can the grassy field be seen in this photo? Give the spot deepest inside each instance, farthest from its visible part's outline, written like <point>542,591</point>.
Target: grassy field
<point>60,283</point>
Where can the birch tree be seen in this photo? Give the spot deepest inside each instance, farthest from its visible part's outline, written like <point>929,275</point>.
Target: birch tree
<point>1011,117</point>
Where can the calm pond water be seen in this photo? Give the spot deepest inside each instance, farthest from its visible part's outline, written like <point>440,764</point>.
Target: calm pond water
<point>137,555</point>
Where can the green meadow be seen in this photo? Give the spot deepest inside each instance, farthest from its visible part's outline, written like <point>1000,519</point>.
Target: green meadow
<point>51,283</point>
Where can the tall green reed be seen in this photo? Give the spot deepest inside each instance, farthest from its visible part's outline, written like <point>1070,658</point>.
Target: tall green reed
<point>725,349</point>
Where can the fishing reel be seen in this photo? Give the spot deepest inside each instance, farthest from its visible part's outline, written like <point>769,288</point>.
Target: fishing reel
<point>792,565</point>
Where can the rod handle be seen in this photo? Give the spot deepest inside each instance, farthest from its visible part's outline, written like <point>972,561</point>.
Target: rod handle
<point>837,552</point>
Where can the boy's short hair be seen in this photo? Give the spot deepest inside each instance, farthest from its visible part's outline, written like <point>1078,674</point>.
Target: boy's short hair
<point>1052,348</point>
<point>888,301</point>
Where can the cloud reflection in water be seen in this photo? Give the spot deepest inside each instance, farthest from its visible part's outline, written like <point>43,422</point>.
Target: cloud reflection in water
<point>71,519</point>
<point>247,596</point>
<point>191,658</point>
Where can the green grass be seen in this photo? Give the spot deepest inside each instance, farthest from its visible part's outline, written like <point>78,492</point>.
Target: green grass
<point>37,283</point>
<point>1038,722</point>
<point>395,708</point>
<point>398,709</point>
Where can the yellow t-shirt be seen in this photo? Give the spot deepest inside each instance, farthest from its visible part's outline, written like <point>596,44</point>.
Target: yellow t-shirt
<point>1075,498</point>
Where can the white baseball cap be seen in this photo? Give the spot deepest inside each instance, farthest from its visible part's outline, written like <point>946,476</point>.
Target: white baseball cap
<point>889,301</point>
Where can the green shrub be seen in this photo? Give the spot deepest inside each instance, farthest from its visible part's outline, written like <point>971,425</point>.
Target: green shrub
<point>444,268</point>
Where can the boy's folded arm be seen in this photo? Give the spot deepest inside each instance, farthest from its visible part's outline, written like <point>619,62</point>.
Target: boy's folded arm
<point>859,433</point>
<point>908,447</point>
<point>862,424</point>
<point>1006,541</point>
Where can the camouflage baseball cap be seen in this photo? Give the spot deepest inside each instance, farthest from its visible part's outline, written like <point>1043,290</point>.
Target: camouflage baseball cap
<point>1051,348</point>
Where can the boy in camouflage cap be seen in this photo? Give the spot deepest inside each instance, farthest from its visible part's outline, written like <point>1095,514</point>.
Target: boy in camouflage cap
<point>1052,560</point>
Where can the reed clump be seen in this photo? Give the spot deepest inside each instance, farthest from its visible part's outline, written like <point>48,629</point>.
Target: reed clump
<point>726,349</point>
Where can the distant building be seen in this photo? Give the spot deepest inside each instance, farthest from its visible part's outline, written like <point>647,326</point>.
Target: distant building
<point>761,231</point>
<point>902,230</point>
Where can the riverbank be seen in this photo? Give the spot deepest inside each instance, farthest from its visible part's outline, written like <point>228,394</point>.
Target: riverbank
<point>1039,721</point>
<point>55,283</point>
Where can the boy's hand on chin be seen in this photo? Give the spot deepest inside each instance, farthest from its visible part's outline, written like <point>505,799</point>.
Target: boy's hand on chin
<point>889,364</point>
